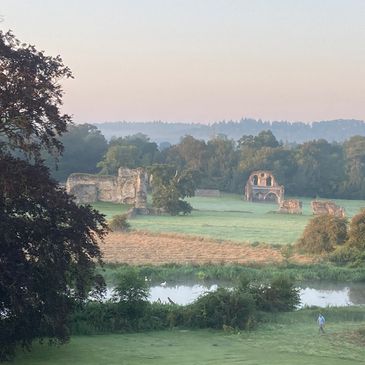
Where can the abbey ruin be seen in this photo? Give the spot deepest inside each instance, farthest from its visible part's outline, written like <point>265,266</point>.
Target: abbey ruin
<point>128,187</point>
<point>262,186</point>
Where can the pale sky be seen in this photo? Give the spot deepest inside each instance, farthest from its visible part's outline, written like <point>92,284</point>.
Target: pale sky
<point>202,60</point>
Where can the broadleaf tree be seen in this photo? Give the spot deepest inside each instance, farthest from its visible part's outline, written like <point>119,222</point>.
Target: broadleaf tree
<point>170,186</point>
<point>48,244</point>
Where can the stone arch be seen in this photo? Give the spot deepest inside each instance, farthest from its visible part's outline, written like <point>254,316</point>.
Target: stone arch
<point>272,196</point>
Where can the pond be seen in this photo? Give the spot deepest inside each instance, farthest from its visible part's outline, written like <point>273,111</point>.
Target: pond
<point>311,294</point>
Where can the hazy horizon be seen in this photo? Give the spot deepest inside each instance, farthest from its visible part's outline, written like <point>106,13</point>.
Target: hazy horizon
<point>202,61</point>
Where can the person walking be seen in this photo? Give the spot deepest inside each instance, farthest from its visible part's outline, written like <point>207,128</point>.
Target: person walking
<point>321,321</point>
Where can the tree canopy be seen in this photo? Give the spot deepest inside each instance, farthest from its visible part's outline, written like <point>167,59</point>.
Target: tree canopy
<point>48,244</point>
<point>30,97</point>
<point>171,186</point>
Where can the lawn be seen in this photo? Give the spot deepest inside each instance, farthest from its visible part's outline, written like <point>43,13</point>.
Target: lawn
<point>292,339</point>
<point>229,217</point>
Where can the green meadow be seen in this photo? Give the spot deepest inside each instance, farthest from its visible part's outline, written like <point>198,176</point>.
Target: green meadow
<point>285,339</point>
<point>229,217</point>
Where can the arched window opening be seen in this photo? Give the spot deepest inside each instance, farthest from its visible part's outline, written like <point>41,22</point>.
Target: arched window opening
<point>269,181</point>
<point>255,180</point>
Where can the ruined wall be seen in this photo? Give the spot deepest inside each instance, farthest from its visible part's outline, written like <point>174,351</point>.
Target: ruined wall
<point>262,186</point>
<point>321,207</point>
<point>129,187</point>
<point>88,188</point>
<point>290,206</point>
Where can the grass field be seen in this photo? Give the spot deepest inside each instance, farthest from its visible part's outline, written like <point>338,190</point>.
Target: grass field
<point>230,218</point>
<point>292,339</point>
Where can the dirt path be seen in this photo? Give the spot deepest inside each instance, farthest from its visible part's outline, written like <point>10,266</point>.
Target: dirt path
<point>138,248</point>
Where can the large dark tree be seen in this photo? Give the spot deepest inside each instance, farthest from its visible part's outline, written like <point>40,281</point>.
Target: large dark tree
<point>30,97</point>
<point>48,244</point>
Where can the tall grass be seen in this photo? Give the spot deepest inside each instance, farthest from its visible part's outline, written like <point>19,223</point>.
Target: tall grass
<point>231,273</point>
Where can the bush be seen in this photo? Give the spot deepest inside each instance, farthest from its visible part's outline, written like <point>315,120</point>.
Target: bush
<point>357,231</point>
<point>322,234</point>
<point>119,223</point>
<point>222,307</point>
<point>130,287</point>
<point>348,255</point>
<point>278,295</point>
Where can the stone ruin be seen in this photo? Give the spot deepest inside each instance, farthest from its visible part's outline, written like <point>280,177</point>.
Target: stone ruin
<point>128,187</point>
<point>321,207</point>
<point>262,186</point>
<point>290,206</point>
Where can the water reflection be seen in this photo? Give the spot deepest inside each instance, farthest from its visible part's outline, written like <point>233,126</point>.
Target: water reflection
<point>318,294</point>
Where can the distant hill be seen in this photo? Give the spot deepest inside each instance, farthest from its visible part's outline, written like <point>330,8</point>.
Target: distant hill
<point>333,130</point>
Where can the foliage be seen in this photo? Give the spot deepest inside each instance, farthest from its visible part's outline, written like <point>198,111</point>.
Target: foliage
<point>279,294</point>
<point>346,255</point>
<point>84,146</point>
<point>119,223</point>
<point>128,309</point>
<point>48,251</point>
<point>30,95</point>
<point>174,273</point>
<point>323,234</point>
<point>354,250</point>
<point>130,287</point>
<point>235,309</point>
<point>48,245</point>
<point>170,186</point>
<point>357,231</point>
<point>132,151</point>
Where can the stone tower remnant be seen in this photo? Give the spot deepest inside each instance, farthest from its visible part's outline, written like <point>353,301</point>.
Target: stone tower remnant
<point>262,186</point>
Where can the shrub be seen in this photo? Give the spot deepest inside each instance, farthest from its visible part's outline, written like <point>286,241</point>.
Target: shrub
<point>348,255</point>
<point>322,234</point>
<point>357,231</point>
<point>119,223</point>
<point>130,287</point>
<point>278,295</point>
<point>221,307</point>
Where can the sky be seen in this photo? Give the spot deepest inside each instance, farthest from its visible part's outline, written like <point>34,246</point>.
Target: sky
<point>201,60</point>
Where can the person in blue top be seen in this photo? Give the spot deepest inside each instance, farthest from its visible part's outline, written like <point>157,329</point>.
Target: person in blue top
<point>321,321</point>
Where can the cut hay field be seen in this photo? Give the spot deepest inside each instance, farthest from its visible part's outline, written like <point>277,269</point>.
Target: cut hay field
<point>229,217</point>
<point>147,248</point>
<point>292,339</point>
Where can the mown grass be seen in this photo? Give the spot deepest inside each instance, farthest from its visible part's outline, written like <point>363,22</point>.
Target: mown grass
<point>229,217</point>
<point>285,339</point>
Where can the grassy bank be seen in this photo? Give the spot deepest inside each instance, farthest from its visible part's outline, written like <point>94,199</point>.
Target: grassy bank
<point>184,273</point>
<point>290,338</point>
<point>229,217</point>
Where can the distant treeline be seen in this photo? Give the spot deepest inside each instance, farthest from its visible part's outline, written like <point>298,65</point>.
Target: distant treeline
<point>334,130</point>
<point>316,168</point>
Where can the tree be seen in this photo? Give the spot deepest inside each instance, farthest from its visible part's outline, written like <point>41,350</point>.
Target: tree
<point>323,234</point>
<point>30,98</point>
<point>84,146</point>
<point>354,185</point>
<point>320,169</point>
<point>357,231</point>
<point>170,186</point>
<point>48,244</point>
<point>131,151</point>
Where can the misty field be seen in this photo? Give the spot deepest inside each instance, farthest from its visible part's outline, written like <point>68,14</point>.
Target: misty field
<point>229,217</point>
<point>291,339</point>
